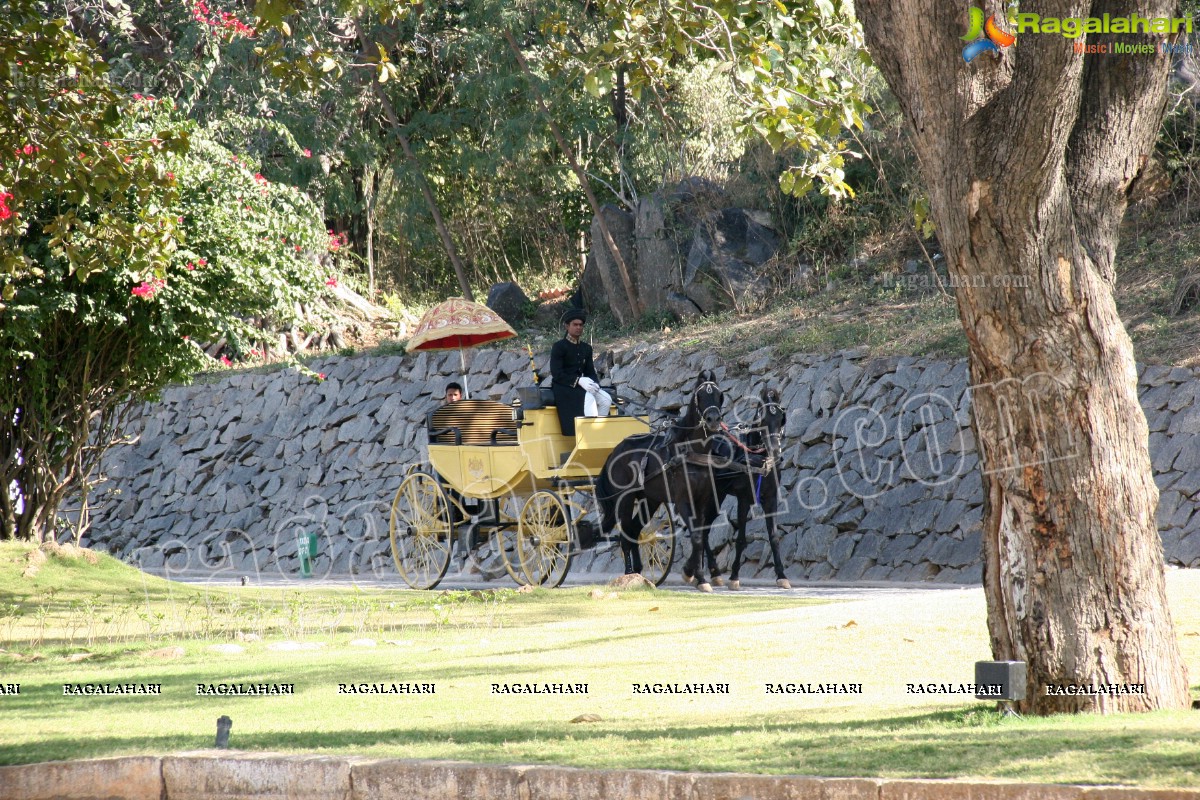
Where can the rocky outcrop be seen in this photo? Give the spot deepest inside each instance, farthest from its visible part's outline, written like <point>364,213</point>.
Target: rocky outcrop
<point>687,253</point>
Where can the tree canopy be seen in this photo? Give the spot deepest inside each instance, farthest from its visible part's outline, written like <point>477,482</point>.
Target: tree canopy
<point>131,239</point>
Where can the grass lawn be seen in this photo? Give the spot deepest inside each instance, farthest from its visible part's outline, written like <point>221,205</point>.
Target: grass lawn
<point>75,622</point>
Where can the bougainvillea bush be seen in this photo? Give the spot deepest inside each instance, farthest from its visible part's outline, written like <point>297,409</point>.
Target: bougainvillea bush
<point>130,238</point>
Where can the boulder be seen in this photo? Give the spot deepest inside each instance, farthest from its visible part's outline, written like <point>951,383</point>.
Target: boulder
<point>509,301</point>
<point>723,267</point>
<point>621,225</point>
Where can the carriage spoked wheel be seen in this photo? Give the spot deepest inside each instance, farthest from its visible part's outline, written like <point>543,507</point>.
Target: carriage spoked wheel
<point>420,531</point>
<point>656,542</point>
<point>505,540</point>
<point>545,539</point>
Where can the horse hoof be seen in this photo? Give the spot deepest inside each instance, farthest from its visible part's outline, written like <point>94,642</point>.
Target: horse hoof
<point>718,581</point>
<point>735,586</point>
<point>689,579</point>
<point>706,588</point>
<point>783,583</point>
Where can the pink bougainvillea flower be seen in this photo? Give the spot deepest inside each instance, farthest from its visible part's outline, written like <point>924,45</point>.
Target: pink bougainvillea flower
<point>28,149</point>
<point>331,281</point>
<point>170,176</point>
<point>202,262</point>
<point>225,360</point>
<point>259,177</point>
<point>320,376</point>
<point>307,153</point>
<point>147,289</point>
<point>190,266</point>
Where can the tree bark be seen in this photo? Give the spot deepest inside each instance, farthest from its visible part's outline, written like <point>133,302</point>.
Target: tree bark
<point>431,203</point>
<point>581,175</point>
<point>1027,155</point>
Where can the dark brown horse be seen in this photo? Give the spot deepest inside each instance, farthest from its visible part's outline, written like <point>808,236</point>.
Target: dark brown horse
<point>650,469</point>
<point>753,478</point>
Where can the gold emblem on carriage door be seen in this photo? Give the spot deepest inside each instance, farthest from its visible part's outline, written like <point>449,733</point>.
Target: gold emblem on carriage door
<point>475,467</point>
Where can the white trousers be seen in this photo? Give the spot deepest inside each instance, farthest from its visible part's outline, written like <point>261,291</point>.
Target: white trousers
<point>597,404</point>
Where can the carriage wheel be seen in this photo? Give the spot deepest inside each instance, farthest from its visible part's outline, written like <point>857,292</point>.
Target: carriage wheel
<point>545,539</point>
<point>505,540</point>
<point>420,531</point>
<point>657,545</point>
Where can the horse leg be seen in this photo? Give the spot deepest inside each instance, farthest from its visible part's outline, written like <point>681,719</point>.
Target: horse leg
<point>770,505</point>
<point>629,541</point>
<point>739,548</point>
<point>709,555</point>
<point>693,569</point>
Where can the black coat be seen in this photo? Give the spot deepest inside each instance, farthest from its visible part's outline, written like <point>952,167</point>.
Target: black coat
<point>568,363</point>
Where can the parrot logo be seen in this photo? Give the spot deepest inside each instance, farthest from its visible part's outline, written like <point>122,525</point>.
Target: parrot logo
<point>983,36</point>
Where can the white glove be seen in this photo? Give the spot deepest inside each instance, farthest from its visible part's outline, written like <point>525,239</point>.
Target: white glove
<point>589,385</point>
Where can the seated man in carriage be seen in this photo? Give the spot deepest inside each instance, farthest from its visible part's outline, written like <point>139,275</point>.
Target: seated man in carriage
<point>577,392</point>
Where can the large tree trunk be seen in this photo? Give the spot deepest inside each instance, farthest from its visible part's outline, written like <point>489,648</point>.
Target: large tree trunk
<point>1027,155</point>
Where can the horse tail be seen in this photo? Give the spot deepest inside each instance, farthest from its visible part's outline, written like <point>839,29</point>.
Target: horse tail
<point>606,498</point>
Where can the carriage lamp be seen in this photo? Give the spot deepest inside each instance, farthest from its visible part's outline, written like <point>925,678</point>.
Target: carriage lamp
<point>1003,681</point>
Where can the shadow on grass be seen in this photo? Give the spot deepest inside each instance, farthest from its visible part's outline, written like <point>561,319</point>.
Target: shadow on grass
<point>955,743</point>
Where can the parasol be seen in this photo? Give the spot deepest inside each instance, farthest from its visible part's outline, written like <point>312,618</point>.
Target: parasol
<point>458,324</point>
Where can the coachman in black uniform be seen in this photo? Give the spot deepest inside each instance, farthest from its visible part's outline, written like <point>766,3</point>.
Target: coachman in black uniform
<point>570,360</point>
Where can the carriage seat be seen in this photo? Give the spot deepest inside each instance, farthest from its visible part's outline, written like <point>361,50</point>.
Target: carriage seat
<point>535,397</point>
<point>472,422</point>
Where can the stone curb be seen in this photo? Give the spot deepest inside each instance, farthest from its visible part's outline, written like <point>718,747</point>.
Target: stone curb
<point>211,775</point>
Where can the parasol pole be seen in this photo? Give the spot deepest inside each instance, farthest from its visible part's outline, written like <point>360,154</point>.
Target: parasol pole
<point>462,362</point>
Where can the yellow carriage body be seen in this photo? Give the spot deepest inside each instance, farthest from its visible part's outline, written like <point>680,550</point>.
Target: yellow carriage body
<point>482,452</point>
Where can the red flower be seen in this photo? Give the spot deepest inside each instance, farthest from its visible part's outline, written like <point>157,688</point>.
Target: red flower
<point>331,281</point>
<point>28,149</point>
<point>225,360</point>
<point>202,262</point>
<point>320,376</point>
<point>307,153</point>
<point>148,289</point>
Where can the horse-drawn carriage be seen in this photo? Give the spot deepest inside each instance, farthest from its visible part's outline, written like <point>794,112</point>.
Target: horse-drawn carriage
<point>507,477</point>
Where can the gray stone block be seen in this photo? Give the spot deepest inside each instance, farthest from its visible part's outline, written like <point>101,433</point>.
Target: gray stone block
<point>841,550</point>
<point>815,543</point>
<point>853,569</point>
<point>870,546</point>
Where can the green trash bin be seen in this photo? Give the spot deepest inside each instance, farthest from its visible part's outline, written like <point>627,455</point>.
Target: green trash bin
<point>304,548</point>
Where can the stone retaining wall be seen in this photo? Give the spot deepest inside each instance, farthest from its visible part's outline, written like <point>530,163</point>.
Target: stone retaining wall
<point>880,472</point>
<point>232,776</point>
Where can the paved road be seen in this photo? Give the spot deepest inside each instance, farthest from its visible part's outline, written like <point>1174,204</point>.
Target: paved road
<point>753,587</point>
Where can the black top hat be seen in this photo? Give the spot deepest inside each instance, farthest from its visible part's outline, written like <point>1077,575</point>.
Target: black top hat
<point>573,314</point>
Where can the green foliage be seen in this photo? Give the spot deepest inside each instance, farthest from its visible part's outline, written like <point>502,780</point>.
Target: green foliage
<point>122,280</point>
<point>67,178</point>
<point>786,65</point>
